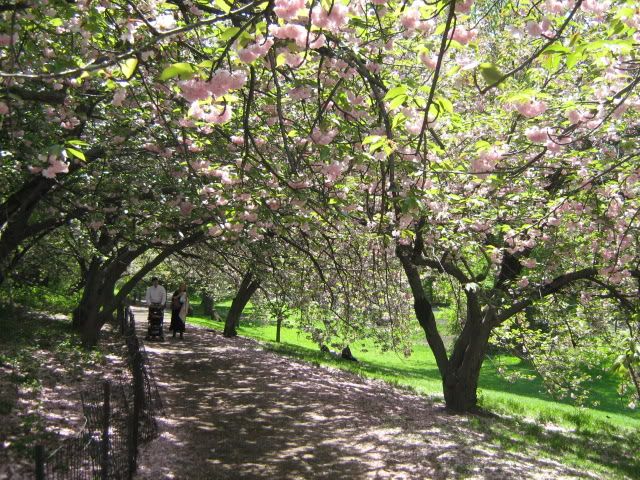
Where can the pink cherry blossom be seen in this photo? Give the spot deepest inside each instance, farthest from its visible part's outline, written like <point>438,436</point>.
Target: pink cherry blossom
<point>215,231</point>
<point>532,108</point>
<point>215,113</point>
<point>256,50</point>
<point>186,123</point>
<point>290,31</point>
<point>301,93</point>
<point>294,60</point>
<point>486,161</point>
<point>597,7</point>
<point>129,31</point>
<point>288,9</point>
<point>220,84</point>
<point>333,171</point>
<point>430,61</point>
<point>298,184</point>
<point>415,120</point>
<point>464,6</point>
<point>529,262</point>
<point>333,20</point>
<point>273,204</point>
<point>537,134</point>
<point>427,27</point>
<point>462,35</point>
<point>4,108</point>
<point>404,221</point>
<point>320,137</point>
<point>186,207</point>
<point>319,42</point>
<point>523,282</point>
<point>575,116</point>
<point>534,28</point>
<point>556,6</point>
<point>56,166</point>
<point>410,19</point>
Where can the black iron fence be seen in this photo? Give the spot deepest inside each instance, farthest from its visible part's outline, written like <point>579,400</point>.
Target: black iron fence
<point>119,416</point>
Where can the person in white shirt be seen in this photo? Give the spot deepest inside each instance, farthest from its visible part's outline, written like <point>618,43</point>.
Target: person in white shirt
<point>156,294</point>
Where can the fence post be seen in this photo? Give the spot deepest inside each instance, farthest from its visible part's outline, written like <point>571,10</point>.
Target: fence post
<point>39,462</point>
<point>122,318</point>
<point>138,397</point>
<point>132,319</point>
<point>105,430</point>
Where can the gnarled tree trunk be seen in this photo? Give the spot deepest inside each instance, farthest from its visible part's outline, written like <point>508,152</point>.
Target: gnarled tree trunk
<point>248,286</point>
<point>461,371</point>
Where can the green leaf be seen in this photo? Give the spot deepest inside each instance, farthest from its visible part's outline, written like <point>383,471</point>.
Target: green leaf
<point>556,48</point>
<point>77,142</point>
<point>395,91</point>
<point>371,139</point>
<point>76,153</point>
<point>224,6</point>
<point>181,69</point>
<point>397,101</point>
<point>128,67</point>
<point>490,73</point>
<point>446,105</point>
<point>229,33</point>
<point>410,203</point>
<point>482,145</point>
<point>574,58</point>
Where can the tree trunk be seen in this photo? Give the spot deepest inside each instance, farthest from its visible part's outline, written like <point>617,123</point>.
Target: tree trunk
<point>278,326</point>
<point>460,384</point>
<point>460,372</point>
<point>207,304</point>
<point>248,286</point>
<point>98,301</point>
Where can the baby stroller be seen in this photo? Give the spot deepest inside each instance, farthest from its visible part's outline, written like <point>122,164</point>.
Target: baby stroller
<point>156,319</point>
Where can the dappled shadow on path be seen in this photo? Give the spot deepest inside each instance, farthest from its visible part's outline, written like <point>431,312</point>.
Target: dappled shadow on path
<point>236,411</point>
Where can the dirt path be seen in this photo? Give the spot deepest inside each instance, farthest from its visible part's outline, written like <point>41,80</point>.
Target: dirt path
<point>235,411</point>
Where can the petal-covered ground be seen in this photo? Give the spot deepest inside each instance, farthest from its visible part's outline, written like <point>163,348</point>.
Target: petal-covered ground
<point>237,411</point>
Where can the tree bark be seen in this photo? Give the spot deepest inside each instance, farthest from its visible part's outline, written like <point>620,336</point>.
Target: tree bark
<point>424,310</point>
<point>460,372</point>
<point>460,383</point>
<point>98,301</point>
<point>248,286</point>
<point>207,304</point>
<point>278,326</point>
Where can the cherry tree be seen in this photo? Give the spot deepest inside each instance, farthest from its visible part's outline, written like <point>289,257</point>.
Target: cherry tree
<point>490,142</point>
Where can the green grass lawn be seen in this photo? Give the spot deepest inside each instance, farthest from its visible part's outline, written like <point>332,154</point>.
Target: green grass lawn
<point>602,440</point>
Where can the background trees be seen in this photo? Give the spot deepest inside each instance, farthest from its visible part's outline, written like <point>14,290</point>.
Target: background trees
<point>491,144</point>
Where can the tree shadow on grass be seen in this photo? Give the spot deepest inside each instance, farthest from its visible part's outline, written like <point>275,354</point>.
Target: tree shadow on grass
<point>235,410</point>
<point>610,448</point>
